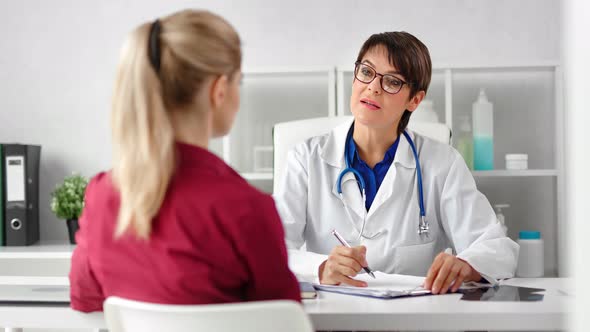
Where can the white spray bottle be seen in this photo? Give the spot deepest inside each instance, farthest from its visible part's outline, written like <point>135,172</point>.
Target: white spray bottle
<point>500,216</point>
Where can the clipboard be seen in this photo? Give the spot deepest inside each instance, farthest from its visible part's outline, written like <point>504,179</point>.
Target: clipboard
<point>373,292</point>
<point>390,286</point>
<point>384,286</point>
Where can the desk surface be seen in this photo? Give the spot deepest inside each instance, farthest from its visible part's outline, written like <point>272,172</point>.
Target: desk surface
<point>443,312</point>
<point>342,312</point>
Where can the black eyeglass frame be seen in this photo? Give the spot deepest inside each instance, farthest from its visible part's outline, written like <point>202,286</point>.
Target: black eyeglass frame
<point>356,67</point>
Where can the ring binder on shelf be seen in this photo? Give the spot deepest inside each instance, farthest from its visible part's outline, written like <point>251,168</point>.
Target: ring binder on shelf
<point>1,197</point>
<point>20,181</point>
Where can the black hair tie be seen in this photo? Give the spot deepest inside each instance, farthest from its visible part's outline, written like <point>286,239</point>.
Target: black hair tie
<point>154,45</point>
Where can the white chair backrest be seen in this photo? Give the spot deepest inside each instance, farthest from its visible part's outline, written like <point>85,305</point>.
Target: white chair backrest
<point>288,134</point>
<point>437,131</point>
<point>124,315</point>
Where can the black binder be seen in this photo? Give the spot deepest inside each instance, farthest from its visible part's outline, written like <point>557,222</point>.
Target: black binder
<point>1,197</point>
<point>21,193</point>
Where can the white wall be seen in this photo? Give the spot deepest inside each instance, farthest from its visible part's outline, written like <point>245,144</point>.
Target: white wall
<point>57,58</point>
<point>577,70</point>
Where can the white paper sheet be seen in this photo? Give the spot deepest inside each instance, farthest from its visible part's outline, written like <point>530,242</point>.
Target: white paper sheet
<point>383,286</point>
<point>389,286</point>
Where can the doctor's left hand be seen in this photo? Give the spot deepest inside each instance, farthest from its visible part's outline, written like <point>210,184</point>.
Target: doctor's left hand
<point>447,270</point>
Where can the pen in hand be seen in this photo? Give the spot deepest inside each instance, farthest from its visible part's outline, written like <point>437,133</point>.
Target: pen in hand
<point>344,243</point>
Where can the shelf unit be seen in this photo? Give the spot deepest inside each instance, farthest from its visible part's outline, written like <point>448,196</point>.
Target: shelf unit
<point>528,117</point>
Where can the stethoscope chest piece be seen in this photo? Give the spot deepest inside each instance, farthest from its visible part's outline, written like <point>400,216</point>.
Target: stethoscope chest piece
<point>423,227</point>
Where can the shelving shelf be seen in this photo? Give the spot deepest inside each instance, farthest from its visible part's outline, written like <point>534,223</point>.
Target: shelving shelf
<point>527,96</point>
<point>34,280</point>
<point>257,176</point>
<point>515,173</point>
<point>42,250</point>
<point>492,173</point>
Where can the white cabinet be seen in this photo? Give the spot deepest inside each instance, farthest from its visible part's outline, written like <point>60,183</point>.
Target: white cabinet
<point>528,118</point>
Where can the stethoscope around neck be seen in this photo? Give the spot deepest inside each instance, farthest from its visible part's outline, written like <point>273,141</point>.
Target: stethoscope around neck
<point>423,226</point>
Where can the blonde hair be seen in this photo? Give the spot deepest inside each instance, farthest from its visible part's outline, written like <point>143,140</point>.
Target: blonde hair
<point>193,45</point>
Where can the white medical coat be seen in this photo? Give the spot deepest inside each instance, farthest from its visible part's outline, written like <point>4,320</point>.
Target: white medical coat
<point>460,216</point>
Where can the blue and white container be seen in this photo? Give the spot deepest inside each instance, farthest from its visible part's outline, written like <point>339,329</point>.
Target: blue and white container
<point>531,257</point>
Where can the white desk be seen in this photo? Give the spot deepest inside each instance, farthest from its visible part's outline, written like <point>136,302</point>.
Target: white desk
<point>443,312</point>
<point>341,312</point>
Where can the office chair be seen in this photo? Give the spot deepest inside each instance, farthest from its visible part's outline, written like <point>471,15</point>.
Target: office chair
<point>124,315</point>
<point>287,134</point>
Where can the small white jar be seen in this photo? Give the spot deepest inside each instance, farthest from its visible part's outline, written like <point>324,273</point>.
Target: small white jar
<point>531,255</point>
<point>517,161</point>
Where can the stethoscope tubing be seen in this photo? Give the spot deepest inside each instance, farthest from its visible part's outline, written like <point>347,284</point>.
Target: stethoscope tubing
<point>423,226</point>
<point>418,174</point>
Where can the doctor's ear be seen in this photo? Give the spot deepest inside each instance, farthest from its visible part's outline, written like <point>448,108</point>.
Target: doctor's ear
<point>415,101</point>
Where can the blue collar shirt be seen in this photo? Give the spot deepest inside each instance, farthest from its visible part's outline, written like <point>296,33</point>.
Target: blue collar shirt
<point>373,177</point>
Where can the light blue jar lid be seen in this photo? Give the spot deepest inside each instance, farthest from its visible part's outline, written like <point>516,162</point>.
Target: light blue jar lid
<point>529,235</point>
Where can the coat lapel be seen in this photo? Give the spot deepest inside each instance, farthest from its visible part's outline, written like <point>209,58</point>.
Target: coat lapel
<point>404,157</point>
<point>333,154</point>
<point>352,196</point>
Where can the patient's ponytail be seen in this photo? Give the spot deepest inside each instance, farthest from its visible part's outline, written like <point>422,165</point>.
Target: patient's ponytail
<point>162,67</point>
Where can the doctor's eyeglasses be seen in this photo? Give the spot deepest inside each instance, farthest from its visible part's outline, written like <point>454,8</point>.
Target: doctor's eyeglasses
<point>389,83</point>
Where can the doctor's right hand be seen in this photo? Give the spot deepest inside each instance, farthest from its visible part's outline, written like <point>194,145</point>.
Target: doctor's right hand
<point>343,264</point>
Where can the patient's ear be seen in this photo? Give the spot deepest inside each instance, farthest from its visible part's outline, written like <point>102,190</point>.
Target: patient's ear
<point>218,91</point>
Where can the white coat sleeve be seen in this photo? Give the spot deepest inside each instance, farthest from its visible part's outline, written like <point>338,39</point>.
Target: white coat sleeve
<point>470,223</point>
<point>291,202</point>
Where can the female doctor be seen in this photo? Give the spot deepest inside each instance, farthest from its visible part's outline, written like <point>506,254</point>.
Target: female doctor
<point>324,177</point>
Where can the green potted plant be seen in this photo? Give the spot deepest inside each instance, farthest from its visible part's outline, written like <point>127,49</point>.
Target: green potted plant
<point>67,202</point>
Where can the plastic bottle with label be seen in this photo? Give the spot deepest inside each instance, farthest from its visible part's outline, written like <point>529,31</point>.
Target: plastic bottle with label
<point>531,256</point>
<point>465,141</point>
<point>483,133</point>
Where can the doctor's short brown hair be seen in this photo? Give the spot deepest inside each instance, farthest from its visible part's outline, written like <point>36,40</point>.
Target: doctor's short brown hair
<point>409,56</point>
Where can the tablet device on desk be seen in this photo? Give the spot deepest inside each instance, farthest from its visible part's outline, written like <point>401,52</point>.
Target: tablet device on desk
<point>34,294</point>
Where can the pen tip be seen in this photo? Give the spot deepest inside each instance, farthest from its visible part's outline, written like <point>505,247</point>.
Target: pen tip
<point>373,275</point>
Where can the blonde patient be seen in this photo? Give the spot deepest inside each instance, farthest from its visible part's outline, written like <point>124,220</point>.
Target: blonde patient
<point>171,223</point>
